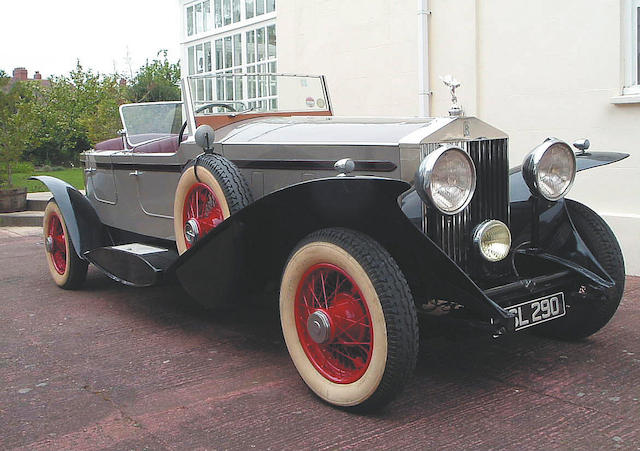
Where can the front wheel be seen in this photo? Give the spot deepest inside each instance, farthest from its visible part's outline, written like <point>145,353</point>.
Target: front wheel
<point>348,319</point>
<point>588,314</point>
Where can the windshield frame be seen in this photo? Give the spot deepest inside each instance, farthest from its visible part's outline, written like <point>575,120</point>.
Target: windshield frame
<point>190,100</point>
<point>185,116</point>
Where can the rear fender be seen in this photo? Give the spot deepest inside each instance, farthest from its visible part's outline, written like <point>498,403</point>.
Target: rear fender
<point>249,250</point>
<point>83,224</point>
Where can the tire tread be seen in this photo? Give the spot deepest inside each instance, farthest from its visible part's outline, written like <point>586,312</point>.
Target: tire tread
<point>235,187</point>
<point>397,305</point>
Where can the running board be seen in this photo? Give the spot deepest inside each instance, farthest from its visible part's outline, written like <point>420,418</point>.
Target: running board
<point>135,264</point>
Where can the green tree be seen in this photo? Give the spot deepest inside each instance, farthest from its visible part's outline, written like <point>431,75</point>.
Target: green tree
<point>72,113</point>
<point>17,123</point>
<point>156,81</point>
<point>76,112</point>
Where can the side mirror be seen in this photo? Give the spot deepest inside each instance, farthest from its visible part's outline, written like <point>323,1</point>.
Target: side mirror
<point>582,144</point>
<point>204,137</point>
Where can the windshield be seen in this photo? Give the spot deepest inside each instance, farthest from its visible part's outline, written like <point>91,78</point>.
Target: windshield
<point>145,122</point>
<point>229,93</point>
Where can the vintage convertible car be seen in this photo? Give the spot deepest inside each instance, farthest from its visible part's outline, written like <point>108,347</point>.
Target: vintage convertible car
<point>361,225</point>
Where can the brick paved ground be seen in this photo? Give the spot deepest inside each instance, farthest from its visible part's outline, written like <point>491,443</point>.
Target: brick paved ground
<point>111,367</point>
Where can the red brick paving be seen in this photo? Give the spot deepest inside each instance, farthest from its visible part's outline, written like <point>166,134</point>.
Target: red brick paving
<point>111,367</point>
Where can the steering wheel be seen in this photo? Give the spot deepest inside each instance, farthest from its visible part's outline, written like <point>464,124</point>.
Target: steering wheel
<point>202,108</point>
<point>213,105</point>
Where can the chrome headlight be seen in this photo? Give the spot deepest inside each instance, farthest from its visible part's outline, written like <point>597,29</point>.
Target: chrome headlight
<point>446,179</point>
<point>550,169</point>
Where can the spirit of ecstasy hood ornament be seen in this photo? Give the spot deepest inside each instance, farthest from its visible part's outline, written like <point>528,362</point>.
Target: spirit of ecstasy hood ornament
<point>453,84</point>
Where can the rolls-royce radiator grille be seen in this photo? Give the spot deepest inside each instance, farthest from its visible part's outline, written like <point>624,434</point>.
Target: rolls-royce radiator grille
<point>490,201</point>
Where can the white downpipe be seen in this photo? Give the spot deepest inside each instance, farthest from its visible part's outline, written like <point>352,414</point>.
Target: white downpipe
<point>424,88</point>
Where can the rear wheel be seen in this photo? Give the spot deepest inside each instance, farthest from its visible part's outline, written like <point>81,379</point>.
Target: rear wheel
<point>67,269</point>
<point>206,196</point>
<point>348,319</point>
<point>591,312</point>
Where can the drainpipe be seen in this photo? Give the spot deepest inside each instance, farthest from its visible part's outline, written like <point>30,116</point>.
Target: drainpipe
<point>424,88</point>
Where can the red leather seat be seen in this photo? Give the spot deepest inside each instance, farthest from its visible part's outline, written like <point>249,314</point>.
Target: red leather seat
<point>110,144</point>
<point>160,144</point>
<point>168,144</point>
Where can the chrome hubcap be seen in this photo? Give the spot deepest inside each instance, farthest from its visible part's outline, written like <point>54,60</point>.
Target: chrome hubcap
<point>319,326</point>
<point>191,231</point>
<point>48,244</point>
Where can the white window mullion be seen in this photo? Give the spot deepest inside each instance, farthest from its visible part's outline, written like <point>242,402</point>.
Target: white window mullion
<point>632,44</point>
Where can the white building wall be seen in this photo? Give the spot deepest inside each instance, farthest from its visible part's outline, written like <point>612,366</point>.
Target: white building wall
<point>367,50</point>
<point>548,68</point>
<point>532,69</point>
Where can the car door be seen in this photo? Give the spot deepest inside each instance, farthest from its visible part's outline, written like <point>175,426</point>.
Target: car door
<point>100,177</point>
<point>156,176</point>
<point>152,132</point>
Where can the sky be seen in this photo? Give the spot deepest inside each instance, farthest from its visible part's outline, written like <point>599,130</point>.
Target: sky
<point>50,36</point>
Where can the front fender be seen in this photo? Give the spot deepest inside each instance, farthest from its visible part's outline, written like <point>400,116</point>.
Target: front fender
<point>519,191</point>
<point>544,229</point>
<point>250,249</point>
<point>85,229</point>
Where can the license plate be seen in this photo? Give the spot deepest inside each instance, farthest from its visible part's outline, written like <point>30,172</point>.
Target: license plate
<point>532,313</point>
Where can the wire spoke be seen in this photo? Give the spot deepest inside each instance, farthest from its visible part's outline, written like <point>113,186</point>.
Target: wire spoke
<point>338,351</point>
<point>352,343</point>
<point>306,304</point>
<point>313,290</point>
<point>338,286</point>
<point>324,293</point>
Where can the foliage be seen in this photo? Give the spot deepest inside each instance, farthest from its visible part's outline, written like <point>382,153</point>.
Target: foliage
<point>70,114</point>
<point>73,176</point>
<point>18,122</point>
<point>24,167</point>
<point>75,112</point>
<point>156,81</point>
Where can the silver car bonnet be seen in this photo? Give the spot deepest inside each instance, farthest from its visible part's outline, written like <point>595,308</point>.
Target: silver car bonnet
<point>404,134</point>
<point>356,130</point>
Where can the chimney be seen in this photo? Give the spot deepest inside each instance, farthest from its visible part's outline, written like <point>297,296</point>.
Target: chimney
<point>37,75</point>
<point>20,74</point>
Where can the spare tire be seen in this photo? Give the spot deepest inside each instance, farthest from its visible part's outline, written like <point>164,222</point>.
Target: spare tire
<point>211,188</point>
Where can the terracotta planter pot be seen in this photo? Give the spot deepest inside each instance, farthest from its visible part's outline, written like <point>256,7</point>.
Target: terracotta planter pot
<point>13,199</point>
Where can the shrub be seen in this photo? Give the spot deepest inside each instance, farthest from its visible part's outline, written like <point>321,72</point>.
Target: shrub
<point>21,167</point>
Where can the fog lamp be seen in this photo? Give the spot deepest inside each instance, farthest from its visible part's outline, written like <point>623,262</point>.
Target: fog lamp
<point>493,240</point>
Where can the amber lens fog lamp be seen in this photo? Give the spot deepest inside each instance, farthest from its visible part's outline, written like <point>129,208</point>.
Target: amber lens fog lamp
<point>550,169</point>
<point>493,239</point>
<point>446,179</point>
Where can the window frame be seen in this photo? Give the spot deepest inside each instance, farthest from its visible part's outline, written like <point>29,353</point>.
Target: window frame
<point>196,48</point>
<point>214,21</point>
<point>631,35</point>
<point>265,95</point>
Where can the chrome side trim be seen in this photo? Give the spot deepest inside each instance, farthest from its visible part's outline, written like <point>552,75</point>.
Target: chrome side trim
<point>315,143</point>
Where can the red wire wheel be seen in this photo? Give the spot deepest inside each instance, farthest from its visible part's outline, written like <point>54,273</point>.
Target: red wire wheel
<point>58,251</point>
<point>348,319</point>
<point>327,292</point>
<point>202,205</point>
